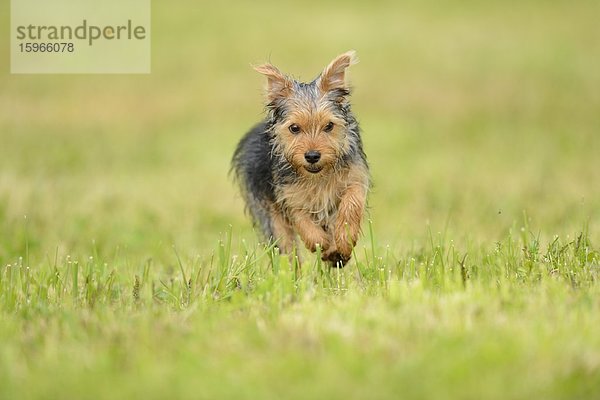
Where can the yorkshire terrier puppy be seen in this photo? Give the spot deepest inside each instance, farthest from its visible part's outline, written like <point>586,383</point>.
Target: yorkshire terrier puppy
<point>302,170</point>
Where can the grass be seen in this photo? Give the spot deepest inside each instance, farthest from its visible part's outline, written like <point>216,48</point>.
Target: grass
<point>128,270</point>
<point>510,321</point>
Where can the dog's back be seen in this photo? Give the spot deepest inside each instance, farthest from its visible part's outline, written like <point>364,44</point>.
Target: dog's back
<point>251,165</point>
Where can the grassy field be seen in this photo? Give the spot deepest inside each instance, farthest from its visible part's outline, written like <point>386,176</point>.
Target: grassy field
<point>128,269</point>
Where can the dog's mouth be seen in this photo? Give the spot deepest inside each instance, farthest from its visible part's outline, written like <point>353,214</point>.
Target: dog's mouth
<point>313,169</point>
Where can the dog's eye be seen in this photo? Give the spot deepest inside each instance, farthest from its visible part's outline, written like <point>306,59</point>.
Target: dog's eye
<point>294,128</point>
<point>328,127</point>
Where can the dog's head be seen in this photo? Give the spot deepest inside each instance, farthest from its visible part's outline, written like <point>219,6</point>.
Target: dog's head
<point>311,124</point>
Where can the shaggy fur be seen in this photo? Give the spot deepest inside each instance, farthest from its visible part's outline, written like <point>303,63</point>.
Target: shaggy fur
<point>302,170</point>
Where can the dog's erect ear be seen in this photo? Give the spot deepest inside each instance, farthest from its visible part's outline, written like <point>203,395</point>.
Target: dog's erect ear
<point>334,75</point>
<point>278,85</point>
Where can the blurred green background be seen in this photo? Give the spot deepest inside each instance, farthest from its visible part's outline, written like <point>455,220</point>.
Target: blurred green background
<point>473,113</point>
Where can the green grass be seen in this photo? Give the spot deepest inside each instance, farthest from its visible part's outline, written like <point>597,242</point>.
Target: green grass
<point>510,321</point>
<point>128,270</point>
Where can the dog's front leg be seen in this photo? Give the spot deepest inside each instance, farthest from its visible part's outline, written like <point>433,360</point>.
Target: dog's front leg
<point>310,233</point>
<point>348,221</point>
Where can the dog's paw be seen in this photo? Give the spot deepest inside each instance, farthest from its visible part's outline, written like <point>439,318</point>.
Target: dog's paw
<point>323,242</point>
<point>346,237</point>
<point>337,259</point>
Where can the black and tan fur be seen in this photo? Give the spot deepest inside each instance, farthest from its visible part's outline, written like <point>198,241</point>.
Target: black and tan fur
<point>302,170</point>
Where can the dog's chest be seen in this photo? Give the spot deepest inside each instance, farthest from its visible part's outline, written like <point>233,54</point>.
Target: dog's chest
<point>320,198</point>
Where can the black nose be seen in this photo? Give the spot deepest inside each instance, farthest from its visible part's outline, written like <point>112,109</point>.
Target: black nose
<point>312,156</point>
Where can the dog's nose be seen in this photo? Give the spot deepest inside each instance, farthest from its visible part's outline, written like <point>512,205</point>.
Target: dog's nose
<point>312,156</point>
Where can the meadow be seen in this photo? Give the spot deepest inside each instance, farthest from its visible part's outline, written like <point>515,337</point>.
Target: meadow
<point>129,270</point>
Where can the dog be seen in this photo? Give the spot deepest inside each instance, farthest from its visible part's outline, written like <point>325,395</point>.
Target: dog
<point>302,170</point>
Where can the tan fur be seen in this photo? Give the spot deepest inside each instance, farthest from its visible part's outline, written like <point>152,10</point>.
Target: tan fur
<point>328,211</point>
<point>278,85</point>
<point>282,230</point>
<point>312,137</point>
<point>333,76</point>
<point>311,234</point>
<point>350,212</point>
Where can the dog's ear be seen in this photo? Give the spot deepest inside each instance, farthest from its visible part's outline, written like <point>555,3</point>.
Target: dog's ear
<point>278,85</point>
<point>334,75</point>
